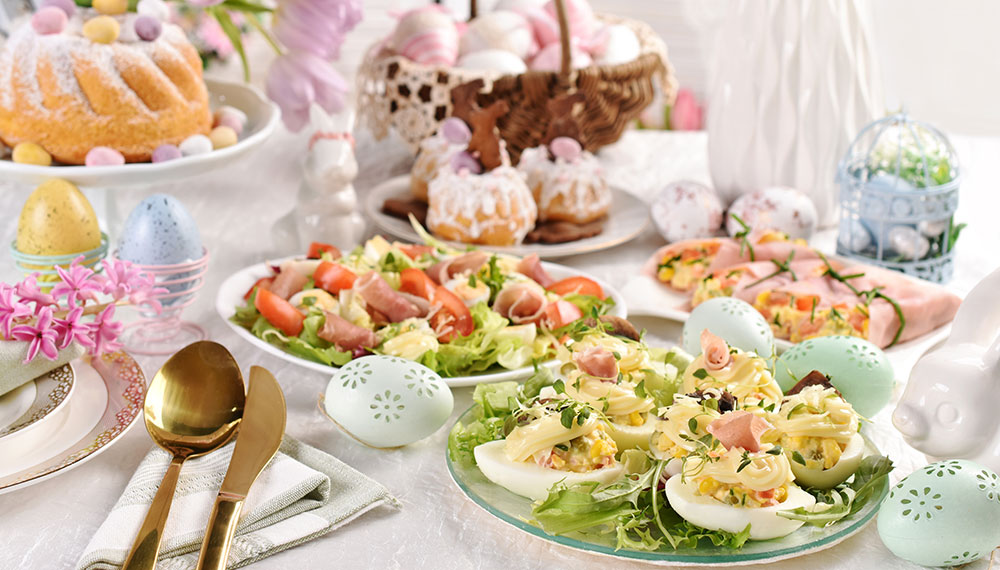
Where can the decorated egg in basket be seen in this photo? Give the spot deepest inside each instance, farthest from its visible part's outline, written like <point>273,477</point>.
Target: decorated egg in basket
<point>944,514</point>
<point>736,321</point>
<point>387,401</point>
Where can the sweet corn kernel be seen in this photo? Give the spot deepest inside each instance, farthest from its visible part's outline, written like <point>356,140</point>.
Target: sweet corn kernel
<point>557,462</point>
<point>831,452</point>
<point>635,418</point>
<point>780,494</point>
<point>597,450</point>
<point>666,274</point>
<point>707,485</point>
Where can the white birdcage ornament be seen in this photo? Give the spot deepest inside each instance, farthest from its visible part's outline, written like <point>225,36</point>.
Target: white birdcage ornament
<point>898,194</point>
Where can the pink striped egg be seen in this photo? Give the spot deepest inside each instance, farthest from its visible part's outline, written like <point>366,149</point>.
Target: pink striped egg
<point>582,23</point>
<point>550,58</point>
<point>428,36</point>
<point>503,30</point>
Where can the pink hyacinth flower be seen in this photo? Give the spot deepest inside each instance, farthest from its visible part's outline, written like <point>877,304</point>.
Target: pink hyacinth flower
<point>30,293</point>
<point>41,336</point>
<point>11,309</point>
<point>316,26</point>
<point>686,114</point>
<point>76,284</point>
<point>298,79</point>
<point>104,331</point>
<point>118,278</point>
<point>72,329</point>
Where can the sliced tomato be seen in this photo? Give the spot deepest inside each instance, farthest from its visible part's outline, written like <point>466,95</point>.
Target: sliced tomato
<point>806,302</point>
<point>333,277</point>
<point>317,249</point>
<point>415,282</point>
<point>561,313</point>
<point>279,312</point>
<point>579,284</point>
<point>263,283</point>
<point>453,312</point>
<point>413,251</point>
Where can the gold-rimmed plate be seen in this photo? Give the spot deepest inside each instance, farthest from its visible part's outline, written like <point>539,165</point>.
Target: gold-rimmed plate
<point>51,391</point>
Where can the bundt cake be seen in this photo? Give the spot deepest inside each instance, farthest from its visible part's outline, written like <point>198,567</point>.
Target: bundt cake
<point>70,93</point>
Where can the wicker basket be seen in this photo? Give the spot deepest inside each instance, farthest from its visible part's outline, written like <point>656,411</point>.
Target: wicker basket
<point>395,93</point>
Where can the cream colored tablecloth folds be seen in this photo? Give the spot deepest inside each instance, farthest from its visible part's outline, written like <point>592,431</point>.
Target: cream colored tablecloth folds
<point>50,524</point>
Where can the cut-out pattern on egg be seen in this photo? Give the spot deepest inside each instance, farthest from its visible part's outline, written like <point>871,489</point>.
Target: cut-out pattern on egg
<point>989,483</point>
<point>355,375</point>
<point>421,382</point>
<point>387,406</point>
<point>921,503</point>
<point>942,468</point>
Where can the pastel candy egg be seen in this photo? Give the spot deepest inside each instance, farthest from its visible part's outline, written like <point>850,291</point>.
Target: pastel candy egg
<point>67,6</point>
<point>166,152</point>
<point>777,208</point>
<point>159,231</point>
<point>565,148</point>
<point>57,219</point>
<point>736,321</point>
<point>615,44</point>
<point>230,117</point>
<point>387,401</point>
<point>31,153</point>
<point>686,210</point>
<point>550,58</point>
<point>148,28</point>
<point>944,514</point>
<point>426,35</point>
<point>499,30</point>
<point>223,136</point>
<point>110,7</point>
<point>196,144</point>
<point>101,30</point>
<point>498,60</point>
<point>49,20</point>
<point>155,8</point>
<point>104,156</point>
<point>455,131</point>
<point>465,161</point>
<point>856,367</point>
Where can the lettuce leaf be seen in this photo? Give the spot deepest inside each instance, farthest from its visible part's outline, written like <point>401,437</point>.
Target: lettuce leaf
<point>495,404</point>
<point>492,342</point>
<point>307,345</point>
<point>847,498</point>
<point>589,304</point>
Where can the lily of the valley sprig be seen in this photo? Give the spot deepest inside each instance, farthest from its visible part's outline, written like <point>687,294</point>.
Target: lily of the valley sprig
<point>79,308</point>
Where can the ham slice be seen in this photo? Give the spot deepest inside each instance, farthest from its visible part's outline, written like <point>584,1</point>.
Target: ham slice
<point>381,297</point>
<point>288,282</point>
<point>598,362</point>
<point>422,305</point>
<point>520,302</point>
<point>442,271</point>
<point>715,350</point>
<point>344,334</point>
<point>532,267</point>
<point>739,429</point>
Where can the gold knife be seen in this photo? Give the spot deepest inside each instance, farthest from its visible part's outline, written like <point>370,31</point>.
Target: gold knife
<point>260,436</point>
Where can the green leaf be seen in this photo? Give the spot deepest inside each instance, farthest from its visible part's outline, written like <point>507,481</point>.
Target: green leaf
<point>559,386</point>
<point>693,425</point>
<point>246,6</point>
<point>235,37</point>
<point>700,373</point>
<point>640,389</point>
<point>566,418</point>
<point>797,457</point>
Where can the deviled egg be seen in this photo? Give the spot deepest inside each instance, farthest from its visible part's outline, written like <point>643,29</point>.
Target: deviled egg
<point>722,367</point>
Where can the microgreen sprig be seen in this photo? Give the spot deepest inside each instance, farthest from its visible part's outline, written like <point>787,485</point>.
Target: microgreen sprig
<point>868,295</point>
<point>781,267</point>
<point>744,236</point>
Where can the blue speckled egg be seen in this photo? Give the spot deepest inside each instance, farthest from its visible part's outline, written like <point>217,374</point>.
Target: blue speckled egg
<point>159,231</point>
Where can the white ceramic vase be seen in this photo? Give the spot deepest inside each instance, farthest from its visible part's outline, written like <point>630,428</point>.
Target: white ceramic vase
<point>791,84</point>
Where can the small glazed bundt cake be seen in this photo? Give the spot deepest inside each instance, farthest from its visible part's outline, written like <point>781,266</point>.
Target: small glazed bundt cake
<point>87,85</point>
<point>568,183</point>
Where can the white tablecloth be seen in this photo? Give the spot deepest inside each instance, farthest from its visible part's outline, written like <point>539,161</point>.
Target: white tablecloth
<point>48,525</point>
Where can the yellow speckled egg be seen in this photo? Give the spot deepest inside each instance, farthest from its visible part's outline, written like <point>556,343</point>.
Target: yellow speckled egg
<point>57,219</point>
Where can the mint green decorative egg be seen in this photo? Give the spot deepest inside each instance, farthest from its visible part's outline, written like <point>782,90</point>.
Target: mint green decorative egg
<point>944,514</point>
<point>858,368</point>
<point>736,321</point>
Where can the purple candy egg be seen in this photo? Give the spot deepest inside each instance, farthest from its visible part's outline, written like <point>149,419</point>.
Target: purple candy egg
<point>49,20</point>
<point>465,161</point>
<point>166,152</point>
<point>148,28</point>
<point>67,6</point>
<point>455,131</point>
<point>565,148</point>
<point>104,156</point>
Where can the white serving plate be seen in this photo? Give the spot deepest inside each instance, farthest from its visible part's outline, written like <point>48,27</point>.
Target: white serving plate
<point>50,393</point>
<point>628,217</point>
<point>231,293</point>
<point>262,119</point>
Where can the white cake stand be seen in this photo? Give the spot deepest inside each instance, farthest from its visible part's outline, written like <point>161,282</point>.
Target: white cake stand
<point>96,181</point>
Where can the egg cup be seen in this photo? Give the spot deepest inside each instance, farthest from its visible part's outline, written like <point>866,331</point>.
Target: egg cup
<point>165,333</point>
<point>45,265</point>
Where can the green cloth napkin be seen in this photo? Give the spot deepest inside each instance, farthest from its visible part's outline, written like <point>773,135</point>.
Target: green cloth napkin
<point>303,493</point>
<point>14,372</point>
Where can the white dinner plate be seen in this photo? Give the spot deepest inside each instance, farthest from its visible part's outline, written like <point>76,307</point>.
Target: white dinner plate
<point>14,404</point>
<point>231,293</point>
<point>262,119</point>
<point>628,217</point>
<point>105,404</point>
<point>51,391</point>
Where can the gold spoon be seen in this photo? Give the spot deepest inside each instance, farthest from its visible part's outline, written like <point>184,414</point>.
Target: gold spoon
<point>193,406</point>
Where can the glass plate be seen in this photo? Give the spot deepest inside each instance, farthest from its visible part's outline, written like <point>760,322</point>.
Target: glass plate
<point>516,511</point>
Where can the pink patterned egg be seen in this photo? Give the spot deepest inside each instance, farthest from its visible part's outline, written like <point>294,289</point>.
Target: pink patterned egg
<point>686,210</point>
<point>582,23</point>
<point>428,36</point>
<point>503,30</point>
<point>778,208</point>
<point>544,26</point>
<point>550,58</point>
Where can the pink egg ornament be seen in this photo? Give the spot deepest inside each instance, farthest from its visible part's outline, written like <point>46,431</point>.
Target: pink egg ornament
<point>498,60</point>
<point>687,210</point>
<point>544,26</point>
<point>104,156</point>
<point>427,36</point>
<point>579,15</point>
<point>502,30</point>
<point>550,58</point>
<point>49,20</point>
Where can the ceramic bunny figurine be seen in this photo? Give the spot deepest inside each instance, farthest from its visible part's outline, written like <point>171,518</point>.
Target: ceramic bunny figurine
<point>949,407</point>
<point>326,209</point>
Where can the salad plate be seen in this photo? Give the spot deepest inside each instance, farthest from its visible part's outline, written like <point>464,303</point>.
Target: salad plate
<point>48,393</point>
<point>628,217</point>
<point>517,512</point>
<point>105,404</point>
<point>231,296</point>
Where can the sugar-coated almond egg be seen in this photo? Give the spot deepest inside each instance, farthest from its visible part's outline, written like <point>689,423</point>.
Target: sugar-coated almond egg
<point>829,478</point>
<point>529,479</point>
<point>57,219</point>
<point>706,512</point>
